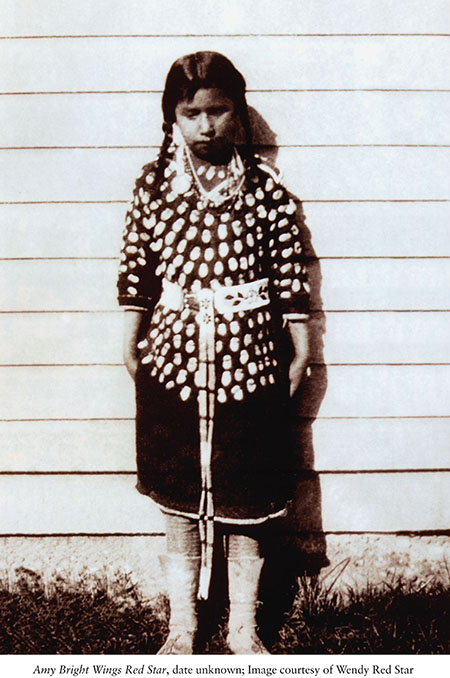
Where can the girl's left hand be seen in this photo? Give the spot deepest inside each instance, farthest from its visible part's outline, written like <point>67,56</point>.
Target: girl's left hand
<point>299,337</point>
<point>131,328</point>
<point>296,370</point>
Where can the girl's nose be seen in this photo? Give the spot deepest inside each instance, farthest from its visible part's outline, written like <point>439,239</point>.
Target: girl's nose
<point>206,125</point>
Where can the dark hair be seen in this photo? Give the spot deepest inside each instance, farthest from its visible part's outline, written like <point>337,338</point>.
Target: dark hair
<point>201,70</point>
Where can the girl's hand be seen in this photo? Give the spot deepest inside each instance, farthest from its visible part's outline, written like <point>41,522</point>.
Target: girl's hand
<point>131,363</point>
<point>132,324</point>
<point>296,370</point>
<point>299,335</point>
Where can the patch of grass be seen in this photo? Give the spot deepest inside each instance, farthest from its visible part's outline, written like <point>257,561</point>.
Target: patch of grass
<point>94,615</point>
<point>100,614</point>
<point>394,618</point>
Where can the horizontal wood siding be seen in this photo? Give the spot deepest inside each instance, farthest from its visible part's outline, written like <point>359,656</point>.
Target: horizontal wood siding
<point>102,504</point>
<point>311,173</point>
<point>347,444</point>
<point>286,62</point>
<point>101,391</point>
<point>352,105</point>
<point>350,338</point>
<point>347,284</point>
<point>338,229</point>
<point>324,118</point>
<point>117,17</point>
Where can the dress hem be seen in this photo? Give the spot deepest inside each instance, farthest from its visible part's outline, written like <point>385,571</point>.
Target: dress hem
<point>227,521</point>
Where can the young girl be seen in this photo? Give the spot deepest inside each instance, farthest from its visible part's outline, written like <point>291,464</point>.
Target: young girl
<point>211,270</point>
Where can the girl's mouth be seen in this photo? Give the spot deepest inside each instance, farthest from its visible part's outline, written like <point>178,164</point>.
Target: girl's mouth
<point>215,145</point>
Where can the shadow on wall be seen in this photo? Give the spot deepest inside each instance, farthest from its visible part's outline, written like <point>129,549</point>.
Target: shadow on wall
<point>295,545</point>
<point>304,524</point>
<point>298,546</point>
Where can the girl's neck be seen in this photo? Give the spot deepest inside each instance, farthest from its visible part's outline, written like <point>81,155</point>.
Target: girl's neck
<point>212,171</point>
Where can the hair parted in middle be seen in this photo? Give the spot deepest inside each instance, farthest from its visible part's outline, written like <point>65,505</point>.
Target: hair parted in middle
<point>188,74</point>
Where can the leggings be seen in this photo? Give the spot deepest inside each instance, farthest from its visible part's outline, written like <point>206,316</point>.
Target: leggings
<point>182,537</point>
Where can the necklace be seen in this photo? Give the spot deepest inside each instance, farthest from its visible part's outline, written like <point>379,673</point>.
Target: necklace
<point>224,191</point>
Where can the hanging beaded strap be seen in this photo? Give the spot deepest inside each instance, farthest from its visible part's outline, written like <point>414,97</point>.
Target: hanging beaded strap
<point>231,299</point>
<point>206,383</point>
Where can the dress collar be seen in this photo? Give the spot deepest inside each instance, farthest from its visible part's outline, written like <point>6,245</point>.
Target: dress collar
<point>185,177</point>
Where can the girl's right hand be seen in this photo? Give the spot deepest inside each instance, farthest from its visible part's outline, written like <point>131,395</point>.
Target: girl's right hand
<point>131,364</point>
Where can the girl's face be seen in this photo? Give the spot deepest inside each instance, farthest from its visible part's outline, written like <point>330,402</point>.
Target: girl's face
<point>208,123</point>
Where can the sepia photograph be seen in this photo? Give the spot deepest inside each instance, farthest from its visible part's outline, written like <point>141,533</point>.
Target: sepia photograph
<point>225,321</point>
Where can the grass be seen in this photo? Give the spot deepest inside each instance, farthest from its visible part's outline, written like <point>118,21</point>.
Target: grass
<point>94,615</point>
<point>100,614</point>
<point>395,618</point>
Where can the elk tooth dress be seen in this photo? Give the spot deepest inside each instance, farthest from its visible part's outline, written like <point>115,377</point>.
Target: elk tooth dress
<point>211,390</point>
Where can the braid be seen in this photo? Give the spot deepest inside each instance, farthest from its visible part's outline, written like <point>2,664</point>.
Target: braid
<point>164,156</point>
<point>248,150</point>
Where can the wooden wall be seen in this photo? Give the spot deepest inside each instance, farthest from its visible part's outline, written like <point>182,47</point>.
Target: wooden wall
<point>357,94</point>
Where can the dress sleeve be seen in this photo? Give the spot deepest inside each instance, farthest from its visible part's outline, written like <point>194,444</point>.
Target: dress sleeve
<point>287,258</point>
<point>138,286</point>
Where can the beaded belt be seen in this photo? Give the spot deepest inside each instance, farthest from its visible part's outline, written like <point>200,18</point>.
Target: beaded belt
<point>206,302</point>
<point>231,299</point>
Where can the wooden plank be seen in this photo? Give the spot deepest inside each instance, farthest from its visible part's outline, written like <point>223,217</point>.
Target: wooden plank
<point>61,338</point>
<point>379,229</point>
<point>366,173</point>
<point>84,504</point>
<point>59,285</point>
<point>310,173</point>
<point>385,338</point>
<point>203,16</point>
<point>268,62</point>
<point>353,338</point>
<point>351,117</point>
<point>95,392</point>
<point>52,230</point>
<point>110,504</point>
<point>390,444</point>
<point>383,284</point>
<point>99,392</point>
<point>337,445</point>
<point>338,229</point>
<point>346,284</point>
<point>87,446</point>
<point>134,119</point>
<point>385,502</point>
